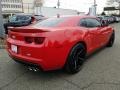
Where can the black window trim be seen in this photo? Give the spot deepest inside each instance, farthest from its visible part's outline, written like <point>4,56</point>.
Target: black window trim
<point>95,19</point>
<point>80,22</point>
<point>85,21</point>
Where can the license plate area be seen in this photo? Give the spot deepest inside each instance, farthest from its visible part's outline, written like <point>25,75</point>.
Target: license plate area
<point>14,48</point>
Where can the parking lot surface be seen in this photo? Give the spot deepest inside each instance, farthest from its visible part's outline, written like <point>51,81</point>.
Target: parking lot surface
<point>101,71</point>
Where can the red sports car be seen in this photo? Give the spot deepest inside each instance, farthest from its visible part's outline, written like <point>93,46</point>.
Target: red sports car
<point>58,43</point>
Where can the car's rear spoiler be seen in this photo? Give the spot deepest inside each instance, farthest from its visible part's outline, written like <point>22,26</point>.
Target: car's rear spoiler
<point>27,30</point>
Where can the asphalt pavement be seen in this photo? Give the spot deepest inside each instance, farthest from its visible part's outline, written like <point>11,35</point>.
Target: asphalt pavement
<point>101,71</point>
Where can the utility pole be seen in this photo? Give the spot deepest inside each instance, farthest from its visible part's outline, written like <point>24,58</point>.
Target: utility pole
<point>58,4</point>
<point>119,8</point>
<point>94,2</point>
<point>2,34</point>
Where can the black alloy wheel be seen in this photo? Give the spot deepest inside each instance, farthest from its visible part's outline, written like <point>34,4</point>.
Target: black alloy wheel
<point>76,59</point>
<point>111,40</point>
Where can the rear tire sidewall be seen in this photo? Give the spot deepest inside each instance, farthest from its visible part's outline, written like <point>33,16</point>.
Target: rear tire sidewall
<point>111,40</point>
<point>69,64</point>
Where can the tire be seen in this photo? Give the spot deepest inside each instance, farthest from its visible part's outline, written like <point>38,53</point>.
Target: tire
<point>111,40</point>
<point>6,25</point>
<point>75,59</point>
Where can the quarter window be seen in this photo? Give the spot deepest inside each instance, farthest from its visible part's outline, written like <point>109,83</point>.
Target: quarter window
<point>91,23</point>
<point>83,23</point>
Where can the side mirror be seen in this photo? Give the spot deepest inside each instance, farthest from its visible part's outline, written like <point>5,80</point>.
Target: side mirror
<point>33,19</point>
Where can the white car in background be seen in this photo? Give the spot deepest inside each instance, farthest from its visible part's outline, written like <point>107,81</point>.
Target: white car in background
<point>117,19</point>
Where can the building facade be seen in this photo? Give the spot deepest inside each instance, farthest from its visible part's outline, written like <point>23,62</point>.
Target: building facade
<point>50,11</point>
<point>115,5</point>
<point>28,6</point>
<point>11,7</point>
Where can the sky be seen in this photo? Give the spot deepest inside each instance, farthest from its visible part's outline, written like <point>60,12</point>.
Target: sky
<point>80,5</point>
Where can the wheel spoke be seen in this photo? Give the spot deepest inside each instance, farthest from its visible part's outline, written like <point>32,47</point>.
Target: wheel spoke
<point>80,52</point>
<point>80,58</point>
<point>75,63</point>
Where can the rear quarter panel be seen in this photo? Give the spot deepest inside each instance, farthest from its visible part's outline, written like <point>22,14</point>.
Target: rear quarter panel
<point>58,44</point>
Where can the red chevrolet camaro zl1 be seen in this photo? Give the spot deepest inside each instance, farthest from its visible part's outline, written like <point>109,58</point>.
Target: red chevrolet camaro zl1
<point>58,43</point>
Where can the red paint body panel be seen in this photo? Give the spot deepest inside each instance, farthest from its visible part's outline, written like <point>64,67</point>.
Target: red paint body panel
<point>53,52</point>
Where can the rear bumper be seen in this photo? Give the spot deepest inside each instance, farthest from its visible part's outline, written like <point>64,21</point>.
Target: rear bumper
<point>23,62</point>
<point>28,61</point>
<point>46,57</point>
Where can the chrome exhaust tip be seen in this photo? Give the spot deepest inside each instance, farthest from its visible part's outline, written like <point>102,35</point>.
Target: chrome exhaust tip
<point>33,69</point>
<point>30,68</point>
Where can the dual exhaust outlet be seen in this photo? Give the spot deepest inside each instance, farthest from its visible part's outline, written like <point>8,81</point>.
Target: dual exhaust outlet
<point>35,69</point>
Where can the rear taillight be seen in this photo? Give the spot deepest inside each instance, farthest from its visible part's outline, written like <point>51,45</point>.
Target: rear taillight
<point>29,39</point>
<point>36,40</point>
<point>39,40</point>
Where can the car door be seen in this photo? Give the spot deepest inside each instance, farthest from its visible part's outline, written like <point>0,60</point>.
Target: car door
<point>93,26</point>
<point>105,32</point>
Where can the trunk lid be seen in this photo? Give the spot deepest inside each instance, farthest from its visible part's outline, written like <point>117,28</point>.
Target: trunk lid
<point>21,33</point>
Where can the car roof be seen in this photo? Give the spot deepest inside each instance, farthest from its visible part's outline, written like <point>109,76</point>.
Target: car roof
<point>69,21</point>
<point>79,17</point>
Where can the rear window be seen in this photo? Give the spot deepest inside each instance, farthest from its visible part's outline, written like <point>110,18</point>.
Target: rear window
<point>100,18</point>
<point>18,18</point>
<point>51,22</point>
<point>23,17</point>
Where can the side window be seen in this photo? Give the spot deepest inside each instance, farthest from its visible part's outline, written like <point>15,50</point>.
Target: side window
<point>91,23</point>
<point>83,23</point>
